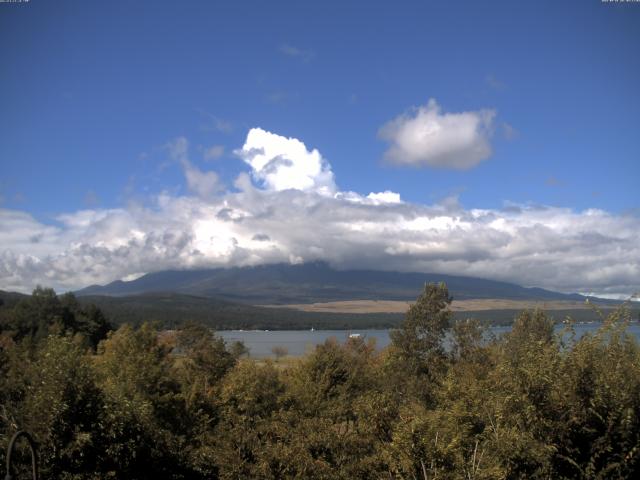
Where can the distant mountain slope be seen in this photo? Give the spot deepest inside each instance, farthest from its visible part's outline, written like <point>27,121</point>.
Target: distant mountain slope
<point>9,299</point>
<point>170,310</point>
<point>314,282</point>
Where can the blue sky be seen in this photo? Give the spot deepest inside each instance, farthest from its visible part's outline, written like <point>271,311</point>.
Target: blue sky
<point>94,94</point>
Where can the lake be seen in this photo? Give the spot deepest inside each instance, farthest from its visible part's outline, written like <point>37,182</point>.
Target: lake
<point>299,342</point>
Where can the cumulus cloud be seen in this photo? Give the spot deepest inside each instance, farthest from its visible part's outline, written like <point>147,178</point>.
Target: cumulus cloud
<point>426,136</point>
<point>281,163</point>
<point>296,219</point>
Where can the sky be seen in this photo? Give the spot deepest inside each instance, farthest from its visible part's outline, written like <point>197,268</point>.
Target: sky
<point>490,139</point>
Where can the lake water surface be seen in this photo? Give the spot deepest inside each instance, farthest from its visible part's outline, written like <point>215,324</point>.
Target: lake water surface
<point>299,342</point>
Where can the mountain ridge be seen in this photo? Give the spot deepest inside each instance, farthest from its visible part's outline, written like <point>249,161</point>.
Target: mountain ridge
<point>281,284</point>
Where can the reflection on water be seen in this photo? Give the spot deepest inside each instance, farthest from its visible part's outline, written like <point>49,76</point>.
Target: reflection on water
<point>299,342</point>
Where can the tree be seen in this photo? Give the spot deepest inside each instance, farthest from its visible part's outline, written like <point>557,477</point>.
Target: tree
<point>44,312</point>
<point>63,408</point>
<point>250,395</point>
<point>145,415</point>
<point>597,434</point>
<point>207,356</point>
<point>467,339</point>
<point>530,328</point>
<point>422,331</point>
<point>36,316</point>
<point>417,346</point>
<point>88,320</point>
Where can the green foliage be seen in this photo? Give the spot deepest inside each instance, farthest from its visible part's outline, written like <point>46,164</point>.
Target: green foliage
<point>88,320</point>
<point>169,309</point>
<point>417,357</point>
<point>207,357</point>
<point>145,410</point>
<point>37,315</point>
<point>329,380</point>
<point>184,405</point>
<point>250,396</point>
<point>61,405</point>
<point>43,313</point>
<point>420,334</point>
<point>600,434</point>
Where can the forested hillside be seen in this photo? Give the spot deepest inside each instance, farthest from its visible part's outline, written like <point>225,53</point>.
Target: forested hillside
<point>169,310</point>
<point>313,282</point>
<point>138,405</point>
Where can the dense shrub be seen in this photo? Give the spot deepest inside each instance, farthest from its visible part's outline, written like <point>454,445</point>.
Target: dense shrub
<point>183,405</point>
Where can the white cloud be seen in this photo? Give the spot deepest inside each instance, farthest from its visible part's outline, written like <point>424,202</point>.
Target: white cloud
<point>284,219</point>
<point>385,197</point>
<point>204,184</point>
<point>428,137</point>
<point>282,163</point>
<point>374,198</point>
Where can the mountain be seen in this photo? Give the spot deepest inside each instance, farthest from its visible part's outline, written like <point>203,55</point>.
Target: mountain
<point>231,298</point>
<point>171,309</point>
<point>313,282</point>
<point>9,299</point>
